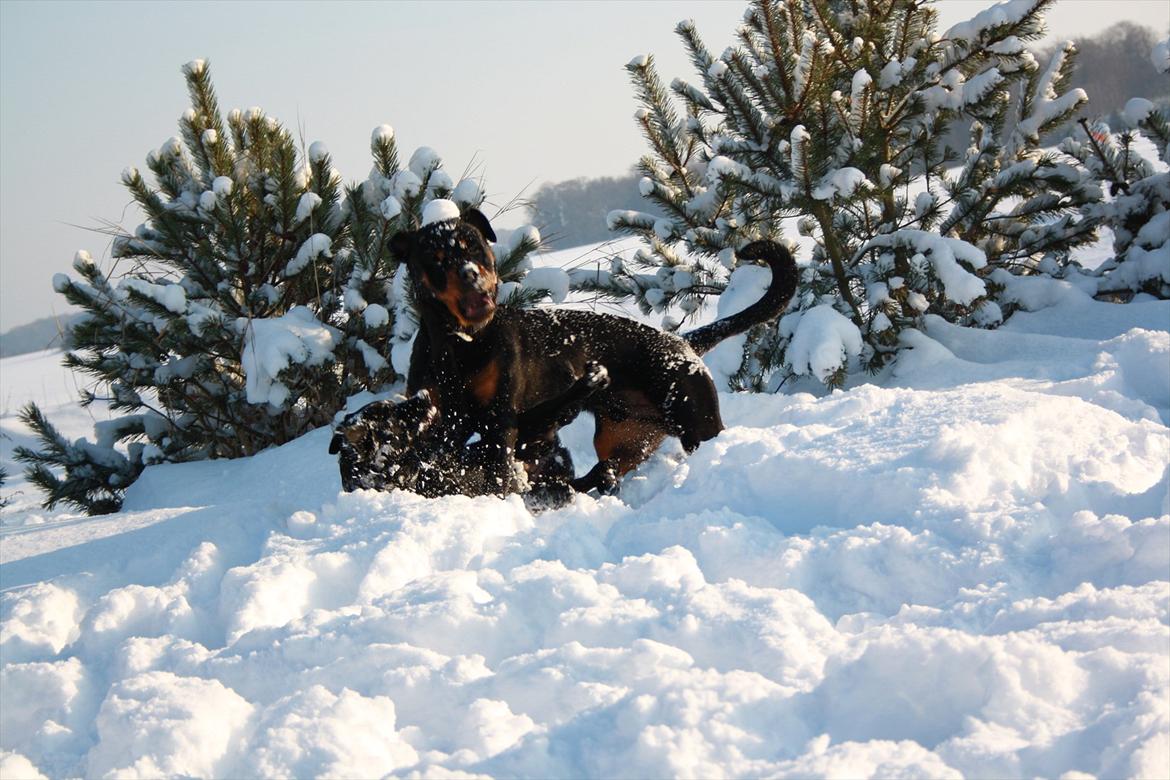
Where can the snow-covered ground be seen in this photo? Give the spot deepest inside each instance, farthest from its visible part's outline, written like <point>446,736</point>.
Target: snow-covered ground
<point>961,568</point>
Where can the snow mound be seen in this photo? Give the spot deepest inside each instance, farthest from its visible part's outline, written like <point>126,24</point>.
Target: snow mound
<point>959,570</point>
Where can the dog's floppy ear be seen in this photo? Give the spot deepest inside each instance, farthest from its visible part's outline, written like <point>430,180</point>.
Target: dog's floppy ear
<point>401,244</point>
<point>335,444</point>
<point>477,220</point>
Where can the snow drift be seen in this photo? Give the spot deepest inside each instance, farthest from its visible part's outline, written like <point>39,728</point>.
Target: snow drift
<point>961,569</point>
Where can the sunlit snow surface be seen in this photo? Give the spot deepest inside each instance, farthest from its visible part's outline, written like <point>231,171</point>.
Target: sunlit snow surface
<point>958,569</point>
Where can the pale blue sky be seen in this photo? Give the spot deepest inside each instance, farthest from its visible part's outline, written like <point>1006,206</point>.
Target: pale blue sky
<point>536,91</point>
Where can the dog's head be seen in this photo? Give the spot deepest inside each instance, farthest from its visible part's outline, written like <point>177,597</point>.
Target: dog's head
<point>453,269</point>
<point>377,446</point>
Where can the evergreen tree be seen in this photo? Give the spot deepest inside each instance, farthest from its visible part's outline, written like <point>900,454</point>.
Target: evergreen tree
<point>1138,210</point>
<point>832,113</point>
<point>257,296</point>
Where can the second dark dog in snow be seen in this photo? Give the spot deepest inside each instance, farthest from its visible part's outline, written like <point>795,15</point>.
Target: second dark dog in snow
<point>390,444</point>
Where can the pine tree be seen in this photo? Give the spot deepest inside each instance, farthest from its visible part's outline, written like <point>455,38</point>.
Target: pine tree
<point>256,297</point>
<point>1138,210</point>
<point>831,113</point>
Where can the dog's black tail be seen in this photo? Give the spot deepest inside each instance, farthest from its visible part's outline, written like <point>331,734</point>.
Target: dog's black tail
<point>774,300</point>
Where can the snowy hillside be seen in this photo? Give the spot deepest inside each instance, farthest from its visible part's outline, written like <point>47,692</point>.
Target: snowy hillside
<point>962,568</point>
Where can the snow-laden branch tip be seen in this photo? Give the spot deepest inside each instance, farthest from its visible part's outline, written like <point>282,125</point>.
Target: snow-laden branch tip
<point>272,345</point>
<point>945,254</point>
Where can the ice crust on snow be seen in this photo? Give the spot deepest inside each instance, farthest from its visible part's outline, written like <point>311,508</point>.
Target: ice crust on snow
<point>958,568</point>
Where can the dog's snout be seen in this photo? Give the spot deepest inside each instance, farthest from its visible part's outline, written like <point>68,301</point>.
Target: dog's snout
<point>469,273</point>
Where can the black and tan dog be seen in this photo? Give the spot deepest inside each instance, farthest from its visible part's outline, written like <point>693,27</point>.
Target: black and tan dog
<point>389,444</point>
<point>485,367</point>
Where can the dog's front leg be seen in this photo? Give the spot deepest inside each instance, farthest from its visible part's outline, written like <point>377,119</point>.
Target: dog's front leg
<point>492,463</point>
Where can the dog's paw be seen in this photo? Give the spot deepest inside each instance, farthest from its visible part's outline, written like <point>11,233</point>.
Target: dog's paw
<point>550,495</point>
<point>596,376</point>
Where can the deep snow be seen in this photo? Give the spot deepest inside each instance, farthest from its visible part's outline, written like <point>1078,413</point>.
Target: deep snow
<point>959,568</point>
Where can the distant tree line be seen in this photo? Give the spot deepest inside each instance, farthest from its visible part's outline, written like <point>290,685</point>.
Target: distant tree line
<point>45,333</point>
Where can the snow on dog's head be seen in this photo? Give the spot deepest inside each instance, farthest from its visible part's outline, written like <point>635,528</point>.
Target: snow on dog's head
<point>452,266</point>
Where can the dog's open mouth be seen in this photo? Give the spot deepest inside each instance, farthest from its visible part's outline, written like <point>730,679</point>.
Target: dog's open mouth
<point>477,307</point>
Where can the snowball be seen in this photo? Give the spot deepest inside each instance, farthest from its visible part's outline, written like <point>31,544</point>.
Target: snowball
<point>60,282</point>
<point>305,206</point>
<point>82,261</point>
<point>318,151</point>
<point>717,70</point>
<point>646,186</point>
<point>210,137</point>
<point>382,134</point>
<point>439,210</point>
<point>222,186</point>
<point>638,62</point>
<point>207,200</point>
<point>376,316</point>
<point>824,339</point>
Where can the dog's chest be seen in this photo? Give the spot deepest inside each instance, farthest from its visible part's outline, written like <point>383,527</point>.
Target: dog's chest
<point>484,384</point>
